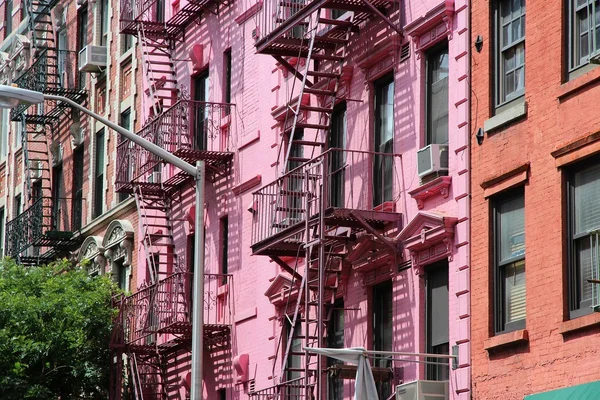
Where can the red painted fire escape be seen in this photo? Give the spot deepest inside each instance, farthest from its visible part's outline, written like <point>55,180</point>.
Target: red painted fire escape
<point>48,226</point>
<point>154,327</point>
<point>320,213</point>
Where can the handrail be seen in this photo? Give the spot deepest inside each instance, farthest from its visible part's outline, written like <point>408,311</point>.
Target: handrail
<point>351,179</point>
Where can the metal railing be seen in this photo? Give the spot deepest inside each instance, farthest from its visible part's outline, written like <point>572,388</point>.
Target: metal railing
<point>276,13</point>
<point>47,221</point>
<point>294,389</point>
<point>188,127</point>
<point>350,179</point>
<point>165,307</point>
<point>141,11</point>
<point>51,75</point>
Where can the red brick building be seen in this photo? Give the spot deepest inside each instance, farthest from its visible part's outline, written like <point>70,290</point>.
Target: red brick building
<point>535,198</point>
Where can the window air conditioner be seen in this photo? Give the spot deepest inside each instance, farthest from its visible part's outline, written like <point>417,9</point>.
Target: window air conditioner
<point>92,58</point>
<point>431,159</point>
<point>154,177</point>
<point>423,390</point>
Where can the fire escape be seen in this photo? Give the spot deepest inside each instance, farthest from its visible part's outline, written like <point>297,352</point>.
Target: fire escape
<point>154,324</point>
<point>326,209</point>
<point>48,226</point>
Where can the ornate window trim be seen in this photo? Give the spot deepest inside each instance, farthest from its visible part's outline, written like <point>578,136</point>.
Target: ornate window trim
<point>19,55</point>
<point>428,238</point>
<point>92,250</point>
<point>430,28</point>
<point>118,242</point>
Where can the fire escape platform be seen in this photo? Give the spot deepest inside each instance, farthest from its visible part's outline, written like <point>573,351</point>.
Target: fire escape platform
<point>217,164</point>
<point>174,28</point>
<point>277,41</point>
<point>289,241</point>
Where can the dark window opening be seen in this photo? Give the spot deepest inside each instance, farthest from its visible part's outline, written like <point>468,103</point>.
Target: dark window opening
<point>384,140</point>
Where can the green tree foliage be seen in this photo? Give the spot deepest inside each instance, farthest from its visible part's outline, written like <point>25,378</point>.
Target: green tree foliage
<point>55,326</point>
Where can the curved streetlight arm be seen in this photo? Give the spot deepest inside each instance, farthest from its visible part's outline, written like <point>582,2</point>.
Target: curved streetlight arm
<point>145,144</point>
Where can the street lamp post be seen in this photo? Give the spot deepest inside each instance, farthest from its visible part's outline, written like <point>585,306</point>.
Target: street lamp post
<point>12,96</point>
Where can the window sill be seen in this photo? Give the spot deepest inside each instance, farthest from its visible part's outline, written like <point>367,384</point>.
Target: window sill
<point>578,84</point>
<point>587,321</point>
<point>514,338</point>
<point>506,117</point>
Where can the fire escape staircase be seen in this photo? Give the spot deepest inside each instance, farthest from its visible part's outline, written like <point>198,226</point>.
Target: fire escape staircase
<point>157,238</point>
<point>308,31</point>
<point>50,72</point>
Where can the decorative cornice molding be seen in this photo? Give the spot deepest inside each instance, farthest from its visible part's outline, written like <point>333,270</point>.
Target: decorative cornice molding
<point>429,28</point>
<point>430,189</point>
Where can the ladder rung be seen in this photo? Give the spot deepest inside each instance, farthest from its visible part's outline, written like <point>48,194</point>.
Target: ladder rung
<point>308,143</point>
<point>327,57</point>
<point>320,74</point>
<point>319,91</point>
<point>311,126</point>
<point>316,109</point>
<point>337,22</point>
<point>299,159</point>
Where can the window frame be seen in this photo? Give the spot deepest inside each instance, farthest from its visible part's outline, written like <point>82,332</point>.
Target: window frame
<point>98,179</point>
<point>432,52</point>
<point>500,98</point>
<point>77,187</point>
<point>575,307</point>
<point>499,290</point>
<point>379,195</point>
<point>581,67</point>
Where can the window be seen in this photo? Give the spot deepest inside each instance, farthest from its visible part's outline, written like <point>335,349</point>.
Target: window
<point>125,122</point>
<point>82,38</point>
<point>337,140</point>
<point>510,50</point>
<point>126,43</point>
<point>436,122</point>
<point>101,97</point>
<point>224,248</point>
<point>382,330</point>
<point>200,94</point>
<point>4,131</point>
<point>58,198</point>
<point>17,206</point>
<point>2,224</point>
<point>294,181</point>
<point>78,164</point>
<point>509,271</point>
<point>222,394</point>
<point>227,75</point>
<point>8,19</point>
<point>104,22</point>
<point>63,61</point>
<point>99,175</point>
<point>294,361</point>
<point>126,75</point>
<point>584,31</point>
<point>120,274</point>
<point>437,304</point>
<point>335,340</point>
<point>584,221</point>
<point>384,140</point>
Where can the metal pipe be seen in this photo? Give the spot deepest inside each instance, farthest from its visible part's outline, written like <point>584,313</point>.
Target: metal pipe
<point>198,307</point>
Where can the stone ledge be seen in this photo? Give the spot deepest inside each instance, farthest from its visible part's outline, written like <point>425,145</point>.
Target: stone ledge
<point>587,321</point>
<point>506,339</point>
<point>506,117</point>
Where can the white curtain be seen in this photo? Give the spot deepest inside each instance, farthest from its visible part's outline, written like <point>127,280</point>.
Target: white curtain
<point>365,383</point>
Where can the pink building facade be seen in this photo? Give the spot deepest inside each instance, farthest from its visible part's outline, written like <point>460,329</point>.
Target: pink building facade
<point>335,136</point>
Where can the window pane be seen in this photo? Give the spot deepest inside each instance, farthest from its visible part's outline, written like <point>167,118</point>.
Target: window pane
<point>584,269</point>
<point>511,223</point>
<point>586,204</point>
<point>514,281</point>
<point>437,102</point>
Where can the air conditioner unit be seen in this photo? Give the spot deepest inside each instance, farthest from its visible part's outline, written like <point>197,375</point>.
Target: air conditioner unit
<point>431,159</point>
<point>423,390</point>
<point>154,177</point>
<point>92,58</point>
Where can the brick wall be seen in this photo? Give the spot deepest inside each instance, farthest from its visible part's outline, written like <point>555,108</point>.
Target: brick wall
<point>558,112</point>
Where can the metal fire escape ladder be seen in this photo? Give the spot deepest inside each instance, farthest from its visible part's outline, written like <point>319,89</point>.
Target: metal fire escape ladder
<point>157,235</point>
<point>35,158</point>
<point>159,69</point>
